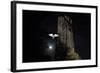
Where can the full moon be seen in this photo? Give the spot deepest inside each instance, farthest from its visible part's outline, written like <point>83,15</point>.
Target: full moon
<point>50,47</point>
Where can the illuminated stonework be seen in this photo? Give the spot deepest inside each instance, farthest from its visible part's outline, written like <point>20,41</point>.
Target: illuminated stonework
<point>65,33</point>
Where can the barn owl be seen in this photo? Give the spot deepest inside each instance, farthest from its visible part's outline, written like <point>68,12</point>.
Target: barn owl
<point>53,35</point>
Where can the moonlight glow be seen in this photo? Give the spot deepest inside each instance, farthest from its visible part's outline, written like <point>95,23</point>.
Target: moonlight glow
<point>50,47</point>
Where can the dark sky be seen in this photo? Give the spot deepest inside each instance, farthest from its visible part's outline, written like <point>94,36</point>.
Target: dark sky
<point>82,34</point>
<point>37,24</point>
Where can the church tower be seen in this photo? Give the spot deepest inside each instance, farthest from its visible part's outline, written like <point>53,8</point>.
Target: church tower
<point>66,37</point>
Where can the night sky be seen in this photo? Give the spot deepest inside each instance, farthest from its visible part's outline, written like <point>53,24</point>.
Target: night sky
<point>38,24</point>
